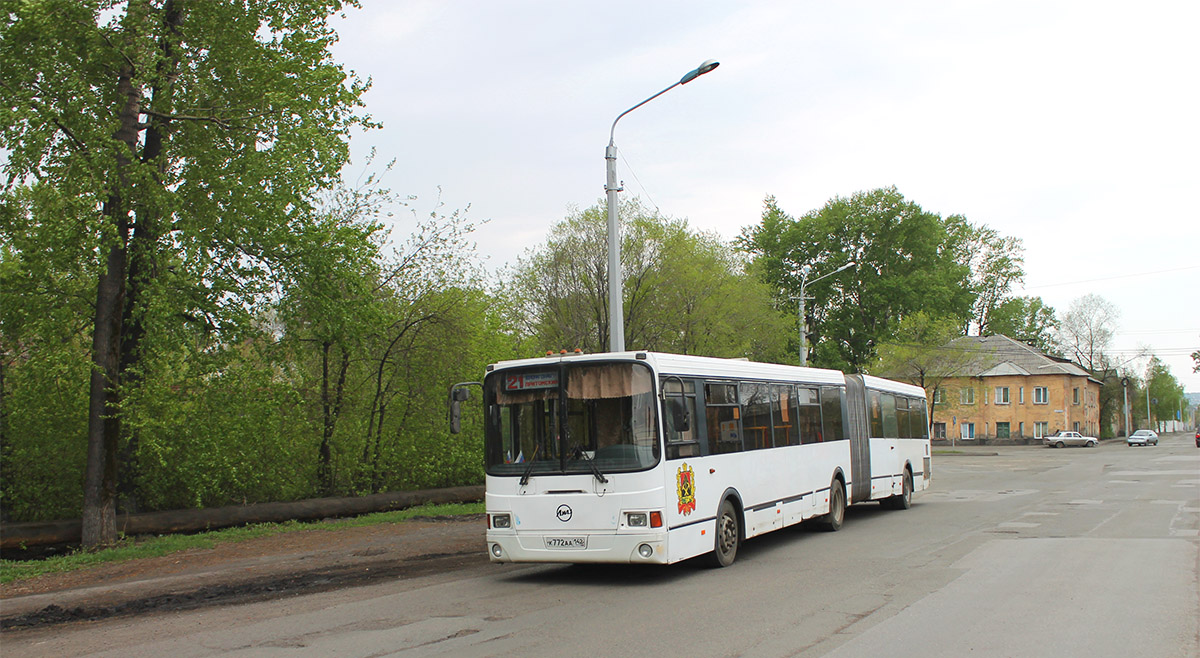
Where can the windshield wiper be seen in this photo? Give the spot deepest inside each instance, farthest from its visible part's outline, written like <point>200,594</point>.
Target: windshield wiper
<point>580,453</point>
<point>529,466</point>
<point>596,470</point>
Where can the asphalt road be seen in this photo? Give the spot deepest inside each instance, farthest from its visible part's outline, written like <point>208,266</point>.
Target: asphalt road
<point>1016,551</point>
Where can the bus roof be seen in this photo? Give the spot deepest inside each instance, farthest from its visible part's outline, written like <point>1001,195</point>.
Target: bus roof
<point>707,366</point>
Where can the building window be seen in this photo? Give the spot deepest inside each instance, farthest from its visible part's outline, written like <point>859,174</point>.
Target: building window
<point>1001,395</point>
<point>939,430</point>
<point>966,396</point>
<point>968,430</point>
<point>1041,395</point>
<point>1002,430</point>
<point>1040,428</point>
<point>1021,430</point>
<point>1021,394</point>
<point>1076,428</point>
<point>938,398</point>
<point>1076,395</point>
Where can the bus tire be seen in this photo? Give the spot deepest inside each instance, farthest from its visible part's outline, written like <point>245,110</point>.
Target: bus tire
<point>728,535</point>
<point>832,522</point>
<point>904,499</point>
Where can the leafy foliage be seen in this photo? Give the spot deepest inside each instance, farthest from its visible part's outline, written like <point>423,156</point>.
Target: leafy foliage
<point>684,291</point>
<point>1027,319</point>
<point>906,260</point>
<point>997,263</point>
<point>190,137</point>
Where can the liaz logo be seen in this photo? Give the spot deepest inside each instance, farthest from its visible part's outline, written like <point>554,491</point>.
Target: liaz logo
<point>685,487</point>
<point>563,513</point>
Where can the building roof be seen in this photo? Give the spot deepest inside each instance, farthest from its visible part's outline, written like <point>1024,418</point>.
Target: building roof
<point>995,356</point>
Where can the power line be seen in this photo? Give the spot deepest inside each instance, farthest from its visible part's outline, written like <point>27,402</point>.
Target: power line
<point>1113,278</point>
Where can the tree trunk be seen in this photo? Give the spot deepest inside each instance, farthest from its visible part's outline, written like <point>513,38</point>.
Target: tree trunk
<point>99,525</point>
<point>99,488</point>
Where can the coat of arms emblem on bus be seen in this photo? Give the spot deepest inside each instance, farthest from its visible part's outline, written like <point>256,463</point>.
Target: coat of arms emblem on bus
<point>685,486</point>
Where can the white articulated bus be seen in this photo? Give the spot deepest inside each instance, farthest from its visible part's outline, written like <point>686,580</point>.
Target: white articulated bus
<point>643,457</point>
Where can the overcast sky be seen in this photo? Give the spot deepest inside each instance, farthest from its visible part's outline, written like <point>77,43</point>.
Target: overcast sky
<point>1071,125</point>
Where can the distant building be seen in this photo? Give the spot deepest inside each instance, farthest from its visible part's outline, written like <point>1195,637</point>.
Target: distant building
<point>1008,390</point>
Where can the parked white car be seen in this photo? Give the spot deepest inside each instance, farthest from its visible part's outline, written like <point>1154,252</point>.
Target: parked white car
<point>1063,439</point>
<point>1142,438</point>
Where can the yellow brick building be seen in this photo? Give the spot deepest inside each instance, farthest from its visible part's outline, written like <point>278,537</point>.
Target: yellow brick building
<point>1008,390</point>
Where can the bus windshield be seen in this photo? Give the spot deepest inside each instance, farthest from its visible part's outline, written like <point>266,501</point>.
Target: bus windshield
<point>571,418</point>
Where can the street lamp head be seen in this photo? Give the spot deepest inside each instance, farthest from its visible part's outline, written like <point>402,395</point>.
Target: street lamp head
<point>707,66</point>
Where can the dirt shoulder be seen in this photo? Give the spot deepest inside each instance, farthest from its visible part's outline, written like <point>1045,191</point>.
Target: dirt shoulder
<point>255,569</point>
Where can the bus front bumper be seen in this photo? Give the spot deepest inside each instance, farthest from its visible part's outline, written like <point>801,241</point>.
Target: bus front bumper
<point>631,548</point>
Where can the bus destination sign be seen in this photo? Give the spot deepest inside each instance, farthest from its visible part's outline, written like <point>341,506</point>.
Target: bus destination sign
<point>525,382</point>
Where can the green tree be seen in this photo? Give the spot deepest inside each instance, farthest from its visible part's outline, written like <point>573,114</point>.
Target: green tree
<point>997,264</point>
<point>43,357</point>
<point>907,260</point>
<point>1027,319</point>
<point>684,291</point>
<point>359,324</point>
<point>194,133</point>
<point>1166,393</point>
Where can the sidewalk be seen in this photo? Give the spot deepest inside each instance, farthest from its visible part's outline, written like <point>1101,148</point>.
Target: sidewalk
<point>255,569</point>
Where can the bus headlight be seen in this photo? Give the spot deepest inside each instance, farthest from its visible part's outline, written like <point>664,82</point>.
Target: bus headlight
<point>645,551</point>
<point>636,519</point>
<point>501,521</point>
<point>497,552</point>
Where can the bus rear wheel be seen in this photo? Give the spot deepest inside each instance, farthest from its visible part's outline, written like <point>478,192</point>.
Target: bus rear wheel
<point>725,543</point>
<point>832,522</point>
<point>904,499</point>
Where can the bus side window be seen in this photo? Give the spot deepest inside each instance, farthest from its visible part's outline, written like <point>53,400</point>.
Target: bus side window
<point>889,417</point>
<point>756,416</point>
<point>721,416</point>
<point>808,415</point>
<point>832,409</point>
<point>679,418</point>
<point>903,418</point>
<point>783,416</point>
<point>919,419</point>
<point>875,414</point>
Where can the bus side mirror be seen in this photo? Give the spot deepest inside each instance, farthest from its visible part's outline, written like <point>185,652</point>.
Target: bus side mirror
<point>458,395</point>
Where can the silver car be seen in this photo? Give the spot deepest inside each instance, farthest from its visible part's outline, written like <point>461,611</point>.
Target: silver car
<point>1063,439</point>
<point>1142,438</point>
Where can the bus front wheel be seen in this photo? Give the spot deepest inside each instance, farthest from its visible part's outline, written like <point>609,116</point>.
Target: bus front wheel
<point>832,522</point>
<point>725,544</point>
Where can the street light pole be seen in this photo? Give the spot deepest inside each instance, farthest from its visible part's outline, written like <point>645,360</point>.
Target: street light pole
<point>1125,393</point>
<point>803,321</point>
<point>1148,425</point>
<point>616,313</point>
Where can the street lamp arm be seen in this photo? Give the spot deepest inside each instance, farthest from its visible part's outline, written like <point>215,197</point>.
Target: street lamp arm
<point>844,267</point>
<point>613,130</point>
<point>705,67</point>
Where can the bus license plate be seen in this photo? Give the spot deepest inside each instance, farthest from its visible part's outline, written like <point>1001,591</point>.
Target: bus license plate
<point>566,543</point>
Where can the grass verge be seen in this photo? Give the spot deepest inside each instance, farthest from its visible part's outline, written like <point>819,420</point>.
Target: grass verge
<point>134,548</point>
